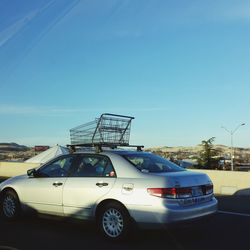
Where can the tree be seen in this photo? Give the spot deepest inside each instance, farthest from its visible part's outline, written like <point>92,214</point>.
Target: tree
<point>208,155</point>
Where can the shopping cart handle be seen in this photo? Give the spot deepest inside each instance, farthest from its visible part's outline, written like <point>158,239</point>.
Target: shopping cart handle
<point>124,116</point>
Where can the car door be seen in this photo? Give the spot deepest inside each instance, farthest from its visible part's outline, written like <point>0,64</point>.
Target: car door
<point>92,179</point>
<point>43,190</point>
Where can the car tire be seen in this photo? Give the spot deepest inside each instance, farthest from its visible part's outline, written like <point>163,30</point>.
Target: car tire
<point>10,205</point>
<point>114,222</point>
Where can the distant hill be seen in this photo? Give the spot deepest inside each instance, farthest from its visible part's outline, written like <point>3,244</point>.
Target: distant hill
<point>225,150</point>
<point>9,147</point>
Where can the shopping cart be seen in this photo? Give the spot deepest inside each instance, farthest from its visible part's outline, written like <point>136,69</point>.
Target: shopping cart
<point>108,130</point>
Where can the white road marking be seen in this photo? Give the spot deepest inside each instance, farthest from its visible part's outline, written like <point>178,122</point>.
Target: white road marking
<point>7,248</point>
<point>233,213</point>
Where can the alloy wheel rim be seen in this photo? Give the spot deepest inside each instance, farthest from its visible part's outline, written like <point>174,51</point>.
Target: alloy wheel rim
<point>9,206</point>
<point>112,222</point>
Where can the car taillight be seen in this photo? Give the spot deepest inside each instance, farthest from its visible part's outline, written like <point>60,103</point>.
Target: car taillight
<point>209,189</point>
<point>173,193</point>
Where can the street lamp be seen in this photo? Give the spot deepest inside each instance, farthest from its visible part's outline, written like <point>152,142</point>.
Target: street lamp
<point>232,150</point>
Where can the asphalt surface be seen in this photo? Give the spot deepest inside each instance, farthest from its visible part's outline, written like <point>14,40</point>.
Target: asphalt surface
<point>225,230</point>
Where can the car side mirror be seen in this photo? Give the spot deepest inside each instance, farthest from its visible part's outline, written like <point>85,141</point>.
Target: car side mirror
<point>32,172</point>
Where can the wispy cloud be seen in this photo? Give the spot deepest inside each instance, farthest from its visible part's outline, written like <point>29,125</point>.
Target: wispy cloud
<point>57,111</point>
<point>18,38</point>
<point>16,110</point>
<point>13,29</point>
<point>38,110</point>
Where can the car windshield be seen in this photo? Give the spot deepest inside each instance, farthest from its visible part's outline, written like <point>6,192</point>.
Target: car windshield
<point>152,163</point>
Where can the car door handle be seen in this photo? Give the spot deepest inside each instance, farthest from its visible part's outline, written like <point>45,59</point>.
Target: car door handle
<point>101,184</point>
<point>56,184</point>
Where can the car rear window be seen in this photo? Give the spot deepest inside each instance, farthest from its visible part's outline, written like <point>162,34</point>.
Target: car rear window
<point>151,163</point>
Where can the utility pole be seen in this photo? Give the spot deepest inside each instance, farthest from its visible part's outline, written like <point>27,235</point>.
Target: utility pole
<point>232,149</point>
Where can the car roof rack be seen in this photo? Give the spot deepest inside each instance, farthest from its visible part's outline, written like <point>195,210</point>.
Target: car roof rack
<point>99,147</point>
<point>109,130</point>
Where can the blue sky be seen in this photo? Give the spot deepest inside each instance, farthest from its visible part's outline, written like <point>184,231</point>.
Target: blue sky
<point>182,68</point>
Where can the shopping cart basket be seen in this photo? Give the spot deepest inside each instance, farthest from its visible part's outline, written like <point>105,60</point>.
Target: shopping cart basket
<point>109,129</point>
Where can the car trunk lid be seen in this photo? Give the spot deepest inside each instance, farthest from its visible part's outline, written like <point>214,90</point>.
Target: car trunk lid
<point>185,178</point>
<point>185,187</point>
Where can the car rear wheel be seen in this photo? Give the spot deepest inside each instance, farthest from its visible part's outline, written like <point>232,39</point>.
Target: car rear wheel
<point>114,222</point>
<point>10,205</point>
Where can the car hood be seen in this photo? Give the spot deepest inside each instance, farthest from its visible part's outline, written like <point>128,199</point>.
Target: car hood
<point>12,180</point>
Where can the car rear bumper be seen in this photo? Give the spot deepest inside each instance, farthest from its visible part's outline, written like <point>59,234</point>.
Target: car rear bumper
<point>161,215</point>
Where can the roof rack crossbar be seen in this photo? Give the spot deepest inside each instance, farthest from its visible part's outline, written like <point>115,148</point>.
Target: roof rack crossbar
<point>98,146</point>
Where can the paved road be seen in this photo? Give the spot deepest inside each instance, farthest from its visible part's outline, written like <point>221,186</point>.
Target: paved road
<point>228,229</point>
<point>223,231</point>
<point>235,203</point>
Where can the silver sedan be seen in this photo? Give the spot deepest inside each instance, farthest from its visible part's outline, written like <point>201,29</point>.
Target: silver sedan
<point>116,188</point>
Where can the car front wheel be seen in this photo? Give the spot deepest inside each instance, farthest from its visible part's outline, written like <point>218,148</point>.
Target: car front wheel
<point>114,222</point>
<point>10,205</point>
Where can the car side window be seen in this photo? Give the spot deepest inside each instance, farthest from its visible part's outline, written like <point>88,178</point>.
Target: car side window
<point>94,166</point>
<point>109,170</point>
<point>57,168</point>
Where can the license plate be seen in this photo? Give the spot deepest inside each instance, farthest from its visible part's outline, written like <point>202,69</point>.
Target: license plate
<point>195,200</point>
